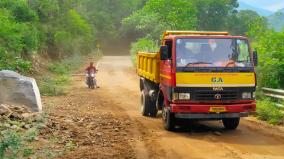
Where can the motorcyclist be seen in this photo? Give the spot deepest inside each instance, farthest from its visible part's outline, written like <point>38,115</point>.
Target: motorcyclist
<point>89,70</point>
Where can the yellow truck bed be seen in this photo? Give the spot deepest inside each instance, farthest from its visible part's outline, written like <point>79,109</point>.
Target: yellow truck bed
<point>148,66</point>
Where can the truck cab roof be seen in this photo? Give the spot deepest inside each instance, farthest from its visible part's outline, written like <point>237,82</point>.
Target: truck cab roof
<point>198,34</point>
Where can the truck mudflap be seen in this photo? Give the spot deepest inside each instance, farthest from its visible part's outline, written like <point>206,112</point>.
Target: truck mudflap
<point>211,115</point>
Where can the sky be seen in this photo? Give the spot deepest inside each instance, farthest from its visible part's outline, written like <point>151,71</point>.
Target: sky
<point>272,5</point>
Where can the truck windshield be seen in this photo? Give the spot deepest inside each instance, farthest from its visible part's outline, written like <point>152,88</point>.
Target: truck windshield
<point>212,53</point>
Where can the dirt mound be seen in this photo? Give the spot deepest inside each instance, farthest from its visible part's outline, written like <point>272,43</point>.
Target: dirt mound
<point>14,111</point>
<point>22,116</point>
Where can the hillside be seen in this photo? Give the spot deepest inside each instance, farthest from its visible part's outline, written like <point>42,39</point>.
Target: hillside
<point>260,11</point>
<point>276,20</point>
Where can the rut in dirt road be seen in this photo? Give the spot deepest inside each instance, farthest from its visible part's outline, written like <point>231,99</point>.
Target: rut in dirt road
<point>107,123</point>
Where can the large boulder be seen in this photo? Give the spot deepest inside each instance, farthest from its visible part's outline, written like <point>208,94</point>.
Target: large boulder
<point>19,90</point>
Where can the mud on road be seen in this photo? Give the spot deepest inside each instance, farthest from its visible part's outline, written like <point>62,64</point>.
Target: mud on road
<point>106,123</point>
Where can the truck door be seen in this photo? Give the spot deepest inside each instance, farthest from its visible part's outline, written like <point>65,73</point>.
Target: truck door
<point>166,66</point>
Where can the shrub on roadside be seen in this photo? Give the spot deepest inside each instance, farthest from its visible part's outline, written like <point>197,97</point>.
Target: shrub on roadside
<point>269,112</point>
<point>66,65</point>
<point>54,86</point>
<point>14,145</point>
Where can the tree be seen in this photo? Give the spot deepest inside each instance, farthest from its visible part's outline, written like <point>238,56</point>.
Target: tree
<point>106,15</point>
<point>213,14</point>
<point>242,22</point>
<point>159,15</point>
<point>270,46</point>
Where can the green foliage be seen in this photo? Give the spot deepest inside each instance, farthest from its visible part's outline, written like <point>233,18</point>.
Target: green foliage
<point>144,44</point>
<point>66,65</point>
<point>54,86</point>
<point>269,112</point>
<point>53,27</point>
<point>20,10</point>
<point>276,21</point>
<point>242,22</point>
<point>18,34</point>
<point>270,46</point>
<point>160,15</point>
<point>14,145</point>
<point>215,15</point>
<point>106,15</point>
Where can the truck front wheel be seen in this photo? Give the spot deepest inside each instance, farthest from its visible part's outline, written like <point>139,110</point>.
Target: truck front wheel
<point>148,107</point>
<point>168,119</point>
<point>231,123</point>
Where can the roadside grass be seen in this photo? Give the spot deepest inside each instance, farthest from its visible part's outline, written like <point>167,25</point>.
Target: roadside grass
<point>268,111</point>
<point>16,138</point>
<point>67,65</point>
<point>15,145</point>
<point>19,143</point>
<point>54,86</point>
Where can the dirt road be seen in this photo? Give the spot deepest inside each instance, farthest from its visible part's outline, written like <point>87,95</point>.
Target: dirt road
<point>106,123</point>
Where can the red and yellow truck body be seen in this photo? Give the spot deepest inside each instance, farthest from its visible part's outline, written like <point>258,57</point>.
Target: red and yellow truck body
<point>198,89</point>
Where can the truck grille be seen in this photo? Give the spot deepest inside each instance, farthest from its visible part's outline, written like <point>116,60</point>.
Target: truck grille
<point>210,95</point>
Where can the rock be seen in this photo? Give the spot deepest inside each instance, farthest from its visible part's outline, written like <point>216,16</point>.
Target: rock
<point>41,126</point>
<point>19,90</point>
<point>5,110</point>
<point>28,116</point>
<point>7,125</point>
<point>16,116</point>
<point>14,127</point>
<point>218,133</point>
<point>27,126</point>
<point>99,134</point>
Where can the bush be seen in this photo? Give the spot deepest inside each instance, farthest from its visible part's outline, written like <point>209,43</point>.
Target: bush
<point>54,86</point>
<point>270,47</point>
<point>144,44</point>
<point>269,112</point>
<point>67,65</point>
<point>58,68</point>
<point>14,145</point>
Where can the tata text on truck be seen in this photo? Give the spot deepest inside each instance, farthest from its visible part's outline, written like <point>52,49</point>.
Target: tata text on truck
<point>198,75</point>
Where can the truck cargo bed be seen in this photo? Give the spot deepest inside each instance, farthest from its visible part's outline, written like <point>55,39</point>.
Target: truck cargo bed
<point>148,66</point>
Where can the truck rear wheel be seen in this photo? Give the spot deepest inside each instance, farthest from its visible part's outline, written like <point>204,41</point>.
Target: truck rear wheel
<point>231,123</point>
<point>168,119</point>
<point>148,107</point>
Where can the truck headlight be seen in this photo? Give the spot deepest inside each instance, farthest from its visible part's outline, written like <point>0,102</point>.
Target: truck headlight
<point>181,96</point>
<point>175,96</point>
<point>246,95</point>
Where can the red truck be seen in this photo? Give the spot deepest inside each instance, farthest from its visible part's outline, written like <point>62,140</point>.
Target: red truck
<point>198,75</point>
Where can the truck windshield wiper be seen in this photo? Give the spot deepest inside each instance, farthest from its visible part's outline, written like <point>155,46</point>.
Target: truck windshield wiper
<point>193,63</point>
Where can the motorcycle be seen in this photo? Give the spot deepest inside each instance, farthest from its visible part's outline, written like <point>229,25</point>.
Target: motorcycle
<point>91,80</point>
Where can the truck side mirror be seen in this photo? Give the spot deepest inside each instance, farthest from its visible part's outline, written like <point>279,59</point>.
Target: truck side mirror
<point>164,52</point>
<point>255,58</point>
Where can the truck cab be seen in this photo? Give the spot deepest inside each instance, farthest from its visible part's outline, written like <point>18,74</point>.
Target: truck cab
<point>202,76</point>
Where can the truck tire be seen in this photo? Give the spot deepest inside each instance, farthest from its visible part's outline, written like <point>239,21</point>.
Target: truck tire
<point>168,119</point>
<point>231,123</point>
<point>148,107</point>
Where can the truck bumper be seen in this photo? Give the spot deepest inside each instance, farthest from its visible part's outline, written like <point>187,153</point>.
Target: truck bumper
<point>202,111</point>
<point>211,116</point>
